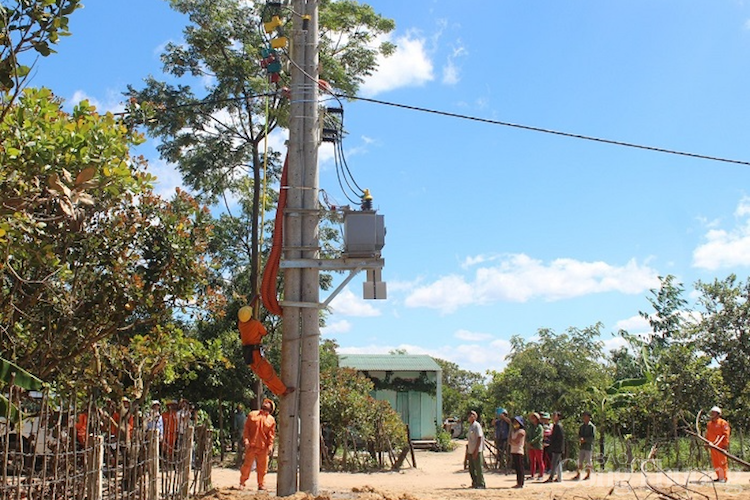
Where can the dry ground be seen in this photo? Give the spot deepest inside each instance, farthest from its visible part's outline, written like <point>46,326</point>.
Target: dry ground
<point>441,476</point>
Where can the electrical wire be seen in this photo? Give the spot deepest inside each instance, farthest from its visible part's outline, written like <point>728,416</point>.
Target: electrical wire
<point>547,131</point>
<point>473,118</point>
<point>343,189</point>
<point>343,172</point>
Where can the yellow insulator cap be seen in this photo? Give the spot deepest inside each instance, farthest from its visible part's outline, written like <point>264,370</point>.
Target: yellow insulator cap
<point>367,195</point>
<point>271,25</point>
<point>279,42</point>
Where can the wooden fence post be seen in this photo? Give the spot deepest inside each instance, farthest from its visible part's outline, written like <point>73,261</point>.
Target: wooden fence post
<point>94,469</point>
<point>187,452</point>
<point>411,447</point>
<point>152,464</point>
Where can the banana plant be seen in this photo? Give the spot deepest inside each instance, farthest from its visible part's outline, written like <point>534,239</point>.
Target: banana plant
<point>10,372</point>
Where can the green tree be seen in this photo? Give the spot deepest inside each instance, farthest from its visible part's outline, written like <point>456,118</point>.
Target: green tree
<point>93,265</point>
<point>680,368</point>
<point>667,319</point>
<point>214,121</point>
<point>354,417</point>
<point>28,26</point>
<point>457,388</point>
<point>217,135</point>
<point>625,364</point>
<point>673,376</point>
<point>724,334</point>
<point>553,373</point>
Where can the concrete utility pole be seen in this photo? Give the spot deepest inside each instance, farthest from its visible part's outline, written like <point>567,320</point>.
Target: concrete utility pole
<point>299,425</point>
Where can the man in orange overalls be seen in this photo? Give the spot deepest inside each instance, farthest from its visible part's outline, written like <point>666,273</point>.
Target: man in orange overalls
<point>170,420</point>
<point>717,431</point>
<point>252,332</point>
<point>258,435</point>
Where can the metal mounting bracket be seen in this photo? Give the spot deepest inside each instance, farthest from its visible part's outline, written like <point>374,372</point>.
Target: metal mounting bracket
<point>353,265</point>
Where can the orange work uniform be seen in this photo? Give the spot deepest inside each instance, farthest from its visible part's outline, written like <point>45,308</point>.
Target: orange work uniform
<point>169,418</point>
<point>81,425</point>
<point>114,426</point>
<point>251,334</point>
<point>717,431</point>
<point>258,435</point>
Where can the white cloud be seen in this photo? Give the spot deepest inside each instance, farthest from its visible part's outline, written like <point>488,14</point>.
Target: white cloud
<point>167,178</point>
<point>474,357</point>
<point>447,293</point>
<point>408,66</point>
<point>277,140</point>
<point>370,349</point>
<point>480,357</point>
<point>112,102</point>
<point>633,324</point>
<point>474,260</point>
<point>614,343</point>
<point>326,155</point>
<point>401,286</point>
<point>726,248</point>
<point>472,336</point>
<point>640,327</point>
<point>743,207</point>
<point>519,278</point>
<point>348,304</point>
<point>451,71</point>
<point>337,327</point>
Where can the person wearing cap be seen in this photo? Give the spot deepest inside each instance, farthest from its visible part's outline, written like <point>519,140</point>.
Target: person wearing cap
<point>475,438</point>
<point>586,433</point>
<point>502,431</point>
<point>257,436</point>
<point>252,332</point>
<point>717,432</point>
<point>535,438</point>
<point>556,447</point>
<point>154,420</point>
<point>517,441</point>
<point>122,430</point>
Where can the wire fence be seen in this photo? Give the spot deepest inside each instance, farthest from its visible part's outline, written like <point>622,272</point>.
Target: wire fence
<point>55,448</point>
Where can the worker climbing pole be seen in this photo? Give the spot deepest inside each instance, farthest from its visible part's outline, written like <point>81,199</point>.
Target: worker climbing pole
<point>252,332</point>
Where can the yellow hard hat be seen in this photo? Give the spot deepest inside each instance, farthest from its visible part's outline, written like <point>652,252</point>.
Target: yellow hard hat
<point>245,314</point>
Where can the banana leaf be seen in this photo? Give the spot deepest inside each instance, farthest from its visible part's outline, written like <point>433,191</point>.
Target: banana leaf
<point>7,410</point>
<point>21,377</point>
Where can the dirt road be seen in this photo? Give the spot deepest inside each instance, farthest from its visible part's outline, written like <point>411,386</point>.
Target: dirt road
<point>442,476</point>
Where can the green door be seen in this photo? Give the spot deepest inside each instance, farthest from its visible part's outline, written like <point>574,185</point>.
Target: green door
<point>415,415</point>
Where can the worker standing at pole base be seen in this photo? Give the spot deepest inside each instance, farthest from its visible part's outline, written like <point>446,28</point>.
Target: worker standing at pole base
<point>717,432</point>
<point>257,435</point>
<point>252,332</point>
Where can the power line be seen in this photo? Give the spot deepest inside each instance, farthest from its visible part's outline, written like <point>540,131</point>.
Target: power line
<point>472,118</point>
<point>546,131</point>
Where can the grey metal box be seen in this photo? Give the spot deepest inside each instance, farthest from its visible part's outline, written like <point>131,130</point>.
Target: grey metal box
<point>374,290</point>
<point>364,234</point>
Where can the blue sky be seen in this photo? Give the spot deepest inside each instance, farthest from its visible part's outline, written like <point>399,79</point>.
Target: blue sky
<point>494,231</point>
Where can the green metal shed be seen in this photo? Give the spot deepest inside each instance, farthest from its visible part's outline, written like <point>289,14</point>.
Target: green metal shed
<point>412,384</point>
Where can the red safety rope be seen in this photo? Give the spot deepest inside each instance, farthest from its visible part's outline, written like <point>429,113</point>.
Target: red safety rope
<point>268,289</point>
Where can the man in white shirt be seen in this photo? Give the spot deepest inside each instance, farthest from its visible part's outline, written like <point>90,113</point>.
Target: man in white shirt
<point>474,450</point>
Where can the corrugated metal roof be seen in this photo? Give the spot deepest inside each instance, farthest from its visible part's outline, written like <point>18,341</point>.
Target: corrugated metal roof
<point>392,362</point>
